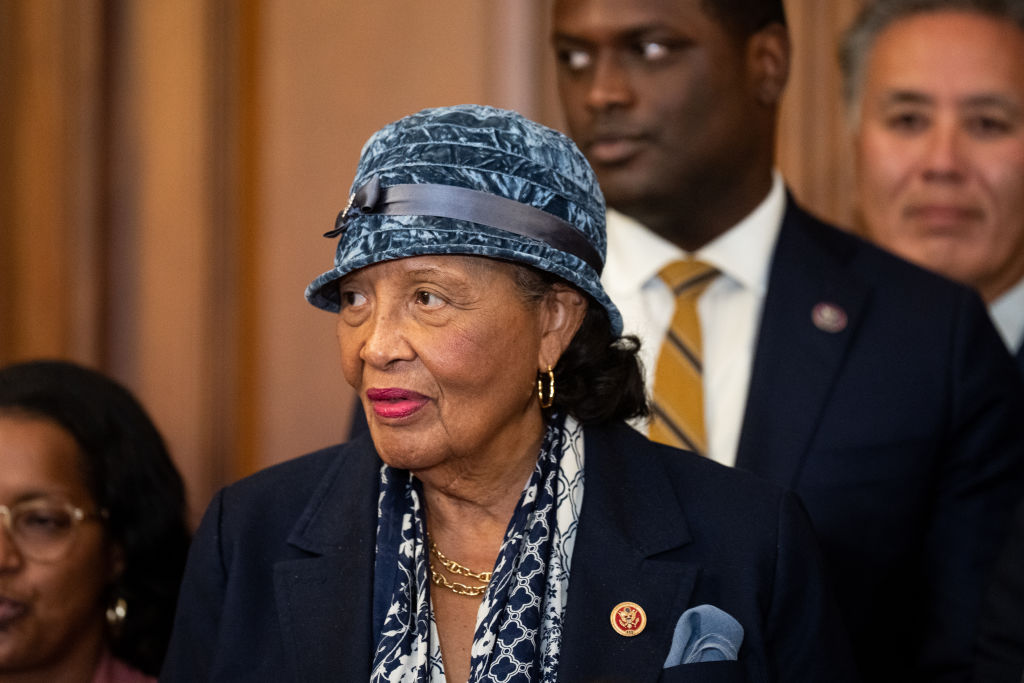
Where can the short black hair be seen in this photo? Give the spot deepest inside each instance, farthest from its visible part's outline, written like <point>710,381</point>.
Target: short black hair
<point>744,18</point>
<point>130,474</point>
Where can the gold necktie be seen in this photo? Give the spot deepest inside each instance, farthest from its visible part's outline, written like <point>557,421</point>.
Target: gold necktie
<point>678,407</point>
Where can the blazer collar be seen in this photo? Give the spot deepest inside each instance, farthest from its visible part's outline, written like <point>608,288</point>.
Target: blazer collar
<point>630,516</point>
<point>814,305</point>
<point>325,600</point>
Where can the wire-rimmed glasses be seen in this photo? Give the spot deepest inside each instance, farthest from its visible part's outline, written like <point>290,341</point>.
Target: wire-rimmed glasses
<point>44,529</point>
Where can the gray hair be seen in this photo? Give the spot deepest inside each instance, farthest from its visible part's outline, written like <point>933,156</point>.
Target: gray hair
<point>877,15</point>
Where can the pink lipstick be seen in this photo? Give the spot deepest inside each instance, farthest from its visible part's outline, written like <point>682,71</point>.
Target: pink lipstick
<point>395,403</point>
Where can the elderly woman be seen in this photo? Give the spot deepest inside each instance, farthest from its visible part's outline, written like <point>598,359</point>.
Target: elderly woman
<point>502,523</point>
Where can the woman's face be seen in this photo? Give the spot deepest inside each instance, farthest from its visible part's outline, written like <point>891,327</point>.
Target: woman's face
<point>49,611</point>
<point>444,353</point>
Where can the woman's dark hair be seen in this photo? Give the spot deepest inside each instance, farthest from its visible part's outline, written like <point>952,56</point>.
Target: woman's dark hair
<point>599,377</point>
<point>131,476</point>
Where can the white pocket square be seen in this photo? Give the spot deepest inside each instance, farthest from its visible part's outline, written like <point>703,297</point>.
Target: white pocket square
<point>705,634</point>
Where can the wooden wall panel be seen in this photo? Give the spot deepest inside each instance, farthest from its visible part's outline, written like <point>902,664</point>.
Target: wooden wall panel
<point>813,142</point>
<point>8,83</point>
<point>161,267</point>
<point>48,247</point>
<point>330,74</point>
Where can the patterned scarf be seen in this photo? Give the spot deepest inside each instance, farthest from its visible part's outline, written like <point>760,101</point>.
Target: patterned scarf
<point>519,625</point>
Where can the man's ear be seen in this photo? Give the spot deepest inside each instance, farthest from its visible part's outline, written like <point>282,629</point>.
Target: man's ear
<point>563,311</point>
<point>768,59</point>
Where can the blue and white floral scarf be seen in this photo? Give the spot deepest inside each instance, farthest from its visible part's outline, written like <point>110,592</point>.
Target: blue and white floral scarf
<point>519,625</point>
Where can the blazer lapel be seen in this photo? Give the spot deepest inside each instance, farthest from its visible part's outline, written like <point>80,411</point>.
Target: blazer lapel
<point>325,600</point>
<point>611,564</point>
<point>812,309</point>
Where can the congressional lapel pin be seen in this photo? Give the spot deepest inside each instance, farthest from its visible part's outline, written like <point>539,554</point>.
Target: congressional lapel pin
<point>628,619</point>
<point>829,317</point>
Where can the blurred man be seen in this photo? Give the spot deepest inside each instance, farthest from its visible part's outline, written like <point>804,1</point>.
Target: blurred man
<point>820,362</point>
<point>934,92</point>
<point>935,95</point>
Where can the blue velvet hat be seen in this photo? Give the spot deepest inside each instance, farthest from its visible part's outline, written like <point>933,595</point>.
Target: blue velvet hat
<point>472,180</point>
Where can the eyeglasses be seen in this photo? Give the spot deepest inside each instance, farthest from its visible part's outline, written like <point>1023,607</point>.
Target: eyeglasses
<point>43,530</point>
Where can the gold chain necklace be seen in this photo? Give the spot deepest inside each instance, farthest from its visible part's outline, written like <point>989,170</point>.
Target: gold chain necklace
<point>456,568</point>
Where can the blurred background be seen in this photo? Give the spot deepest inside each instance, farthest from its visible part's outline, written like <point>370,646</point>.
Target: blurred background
<point>167,170</point>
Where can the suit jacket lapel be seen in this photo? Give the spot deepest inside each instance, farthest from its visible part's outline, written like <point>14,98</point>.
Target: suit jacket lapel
<point>325,600</point>
<point>610,564</point>
<point>1020,359</point>
<point>797,357</point>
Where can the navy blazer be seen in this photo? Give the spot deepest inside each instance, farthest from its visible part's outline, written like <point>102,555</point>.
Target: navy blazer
<point>1001,634</point>
<point>279,581</point>
<point>901,433</point>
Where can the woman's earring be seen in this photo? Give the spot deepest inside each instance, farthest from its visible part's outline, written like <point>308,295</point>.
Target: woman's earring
<point>546,402</point>
<point>116,613</point>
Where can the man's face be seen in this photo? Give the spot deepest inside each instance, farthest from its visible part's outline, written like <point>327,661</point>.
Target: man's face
<point>940,146</point>
<point>659,97</point>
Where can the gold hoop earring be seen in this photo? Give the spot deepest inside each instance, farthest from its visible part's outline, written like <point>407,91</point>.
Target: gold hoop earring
<point>546,403</point>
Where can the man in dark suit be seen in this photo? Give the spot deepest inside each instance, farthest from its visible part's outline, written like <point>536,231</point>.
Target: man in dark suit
<point>878,392</point>
<point>934,94</point>
<point>934,91</point>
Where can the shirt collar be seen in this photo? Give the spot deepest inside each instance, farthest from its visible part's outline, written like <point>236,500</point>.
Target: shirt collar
<point>636,254</point>
<point>1008,315</point>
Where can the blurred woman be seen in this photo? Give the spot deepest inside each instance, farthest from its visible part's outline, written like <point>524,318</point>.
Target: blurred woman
<point>502,523</point>
<point>94,531</point>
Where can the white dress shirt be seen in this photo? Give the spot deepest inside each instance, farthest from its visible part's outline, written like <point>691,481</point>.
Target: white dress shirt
<point>1008,315</point>
<point>729,309</point>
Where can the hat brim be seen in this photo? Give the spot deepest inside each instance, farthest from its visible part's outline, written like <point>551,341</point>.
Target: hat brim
<point>388,238</point>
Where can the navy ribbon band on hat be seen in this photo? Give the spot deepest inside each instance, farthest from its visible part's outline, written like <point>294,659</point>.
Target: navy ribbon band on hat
<point>460,203</point>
